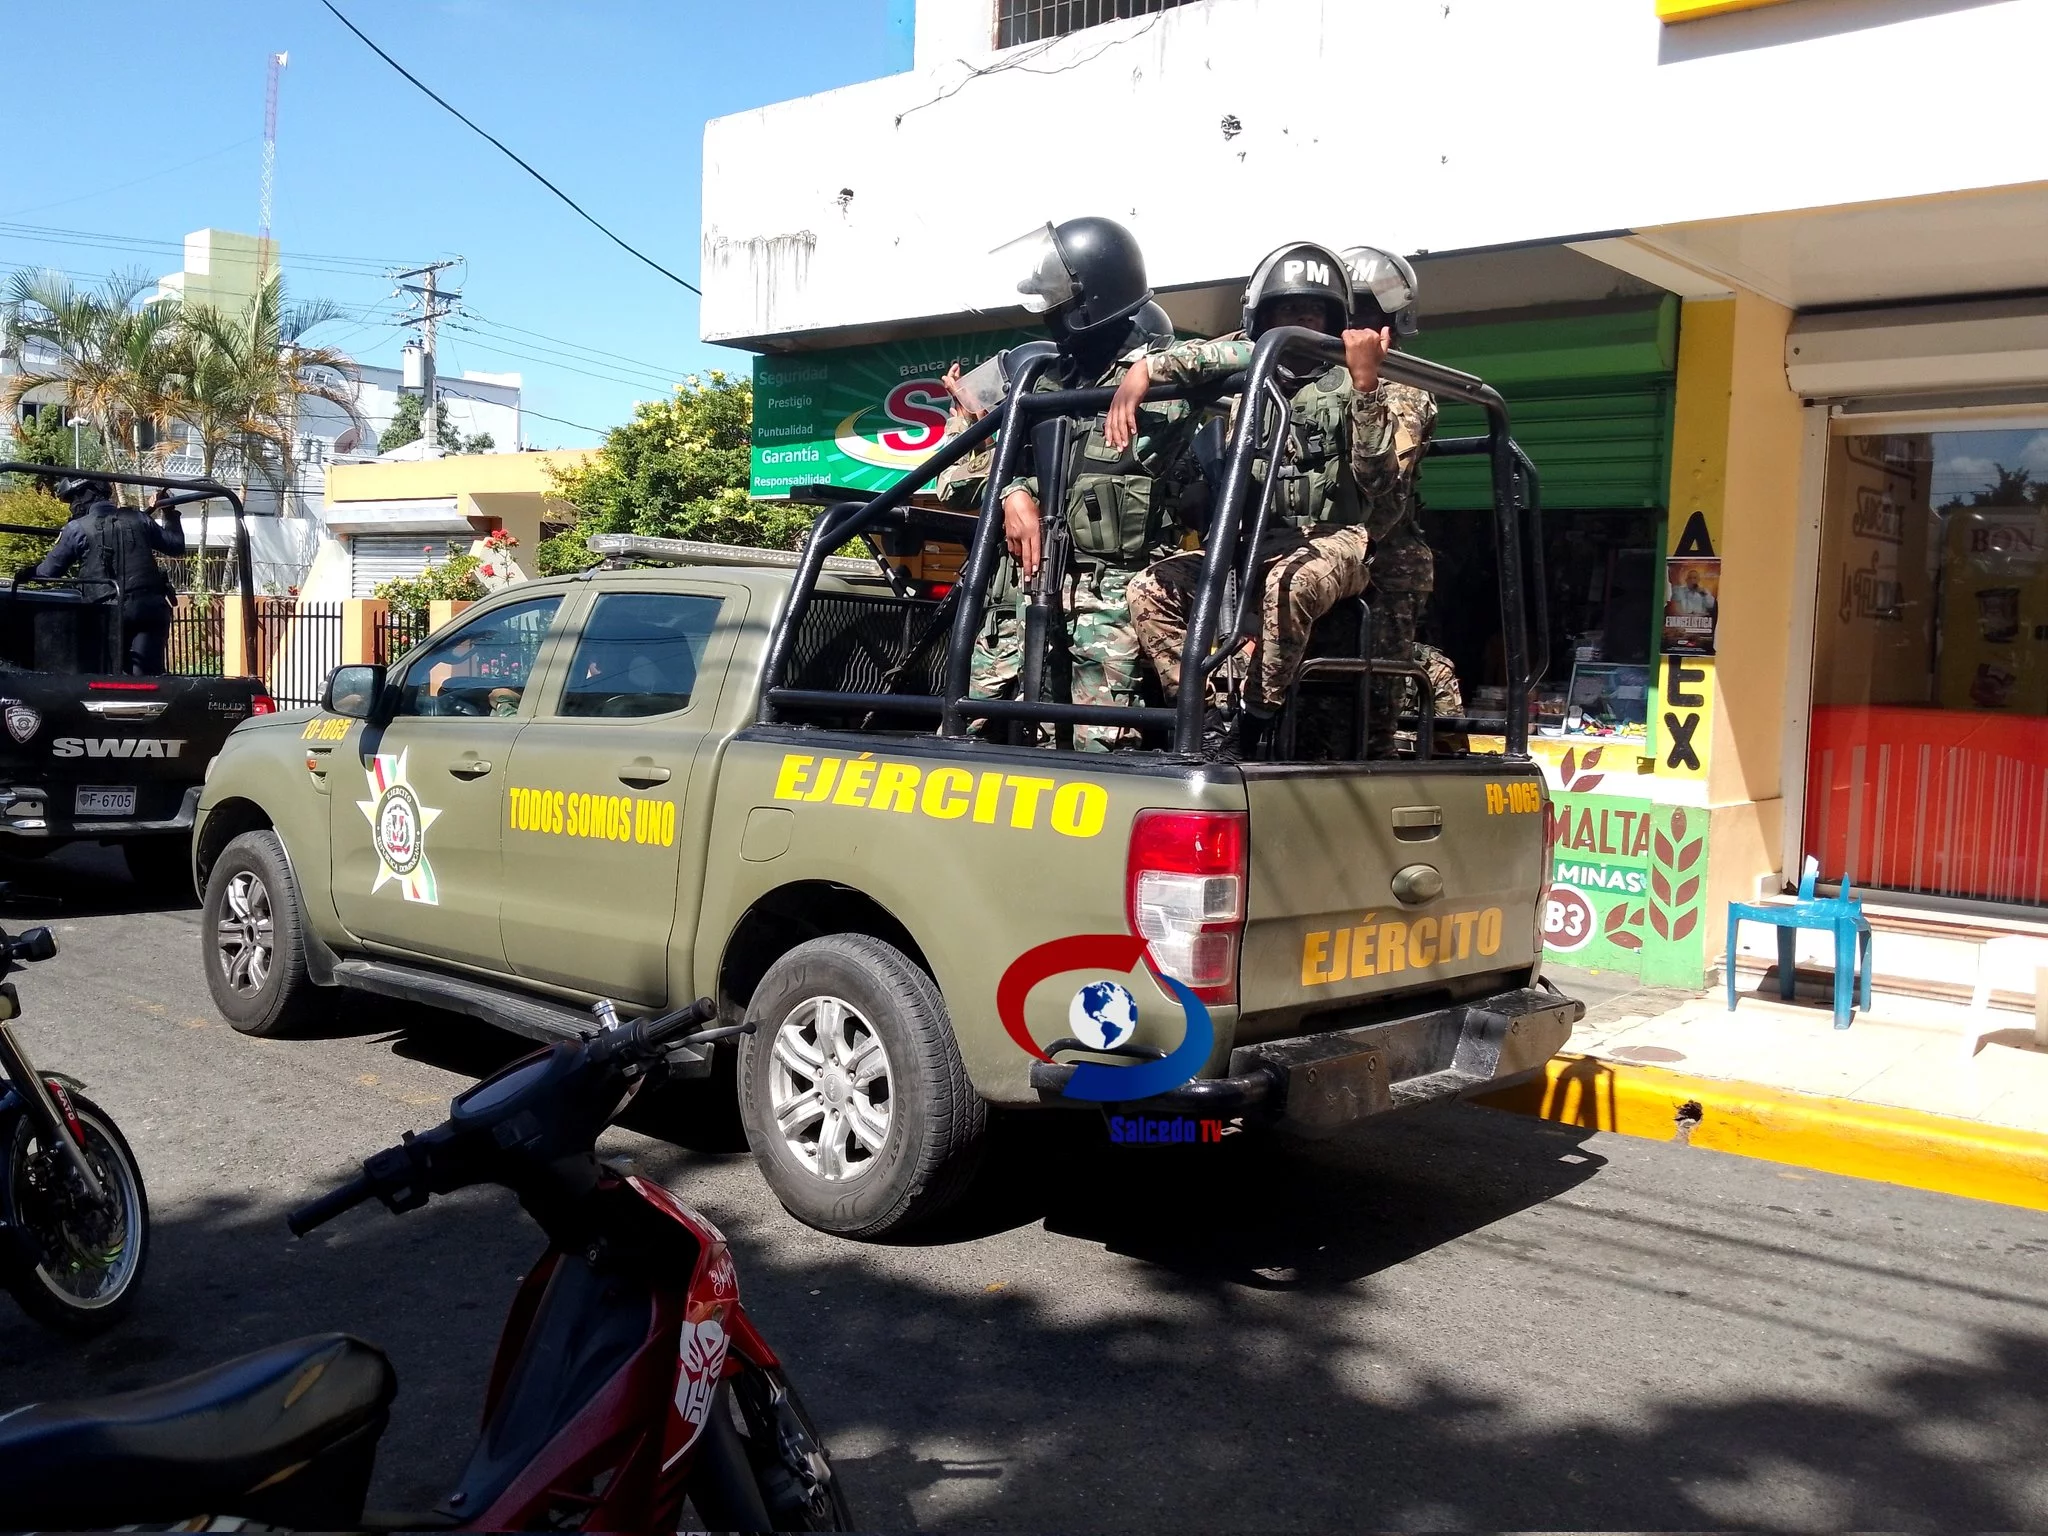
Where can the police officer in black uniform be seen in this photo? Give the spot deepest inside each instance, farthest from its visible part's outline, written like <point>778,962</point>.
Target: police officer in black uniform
<point>118,546</point>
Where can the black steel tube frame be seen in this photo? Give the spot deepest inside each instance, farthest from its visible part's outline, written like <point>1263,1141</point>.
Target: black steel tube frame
<point>1025,403</point>
<point>1532,523</point>
<point>1447,383</point>
<point>200,490</point>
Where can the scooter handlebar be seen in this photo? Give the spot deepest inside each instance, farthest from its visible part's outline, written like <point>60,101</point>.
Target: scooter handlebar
<point>330,1205</point>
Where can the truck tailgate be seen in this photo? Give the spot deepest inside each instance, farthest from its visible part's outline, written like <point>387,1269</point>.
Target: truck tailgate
<point>1371,882</point>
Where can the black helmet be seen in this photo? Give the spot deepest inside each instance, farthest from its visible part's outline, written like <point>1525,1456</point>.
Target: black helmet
<point>1150,330</point>
<point>1299,270</point>
<point>75,488</point>
<point>1383,290</point>
<point>1085,276</point>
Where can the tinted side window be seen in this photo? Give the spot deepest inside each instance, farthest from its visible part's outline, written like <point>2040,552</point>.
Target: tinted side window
<point>639,654</point>
<point>483,667</point>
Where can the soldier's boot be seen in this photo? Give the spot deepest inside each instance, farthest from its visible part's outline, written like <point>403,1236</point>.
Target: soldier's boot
<point>1254,736</point>
<point>1219,741</point>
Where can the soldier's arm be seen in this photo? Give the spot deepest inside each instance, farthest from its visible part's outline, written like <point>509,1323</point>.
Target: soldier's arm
<point>1185,362</point>
<point>1390,427</point>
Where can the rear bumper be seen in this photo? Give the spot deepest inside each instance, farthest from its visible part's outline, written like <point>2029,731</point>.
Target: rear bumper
<point>71,829</point>
<point>1316,1085</point>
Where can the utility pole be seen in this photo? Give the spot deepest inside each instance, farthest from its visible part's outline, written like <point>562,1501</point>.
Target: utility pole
<point>434,305</point>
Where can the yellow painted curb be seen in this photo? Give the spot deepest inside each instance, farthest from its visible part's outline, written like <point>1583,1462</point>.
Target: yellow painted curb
<point>1864,1141</point>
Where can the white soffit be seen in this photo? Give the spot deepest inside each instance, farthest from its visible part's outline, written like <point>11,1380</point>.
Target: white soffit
<point>1930,348</point>
<point>431,514</point>
<point>1948,246</point>
<point>1639,259</point>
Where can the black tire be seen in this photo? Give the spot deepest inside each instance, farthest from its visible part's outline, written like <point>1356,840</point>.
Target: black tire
<point>799,1486</point>
<point>260,991</point>
<point>928,1145</point>
<point>162,866</point>
<point>88,1265</point>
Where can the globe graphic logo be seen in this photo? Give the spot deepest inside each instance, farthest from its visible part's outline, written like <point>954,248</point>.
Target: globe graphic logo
<point>1102,1015</point>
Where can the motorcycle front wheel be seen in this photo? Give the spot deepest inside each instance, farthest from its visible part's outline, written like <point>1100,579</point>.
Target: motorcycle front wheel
<point>78,1262</point>
<point>760,1455</point>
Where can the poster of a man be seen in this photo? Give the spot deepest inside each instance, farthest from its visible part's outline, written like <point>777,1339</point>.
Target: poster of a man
<point>1692,604</point>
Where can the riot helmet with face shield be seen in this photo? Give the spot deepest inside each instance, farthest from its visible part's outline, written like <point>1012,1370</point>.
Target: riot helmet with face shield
<point>1086,277</point>
<point>1383,290</point>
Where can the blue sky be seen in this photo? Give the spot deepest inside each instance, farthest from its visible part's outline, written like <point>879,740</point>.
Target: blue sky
<point>608,98</point>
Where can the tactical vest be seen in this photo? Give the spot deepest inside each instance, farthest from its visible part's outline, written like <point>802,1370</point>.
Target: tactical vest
<point>1315,480</point>
<point>117,550</point>
<point>1122,510</point>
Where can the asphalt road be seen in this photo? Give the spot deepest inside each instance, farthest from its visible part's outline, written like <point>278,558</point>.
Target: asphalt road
<point>1473,1321</point>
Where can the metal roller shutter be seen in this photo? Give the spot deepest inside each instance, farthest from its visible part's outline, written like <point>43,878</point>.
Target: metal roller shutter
<point>377,557</point>
<point>1589,396</point>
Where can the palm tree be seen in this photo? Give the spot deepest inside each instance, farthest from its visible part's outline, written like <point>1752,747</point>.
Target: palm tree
<point>112,357</point>
<point>244,377</point>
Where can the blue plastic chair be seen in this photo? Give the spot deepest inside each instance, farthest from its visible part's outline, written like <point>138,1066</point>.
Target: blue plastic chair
<point>1840,915</point>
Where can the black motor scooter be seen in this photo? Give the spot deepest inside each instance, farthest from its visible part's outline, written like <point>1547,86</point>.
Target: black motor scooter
<point>74,1218</point>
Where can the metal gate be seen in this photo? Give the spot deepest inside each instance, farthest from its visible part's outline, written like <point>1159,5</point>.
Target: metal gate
<point>297,645</point>
<point>194,648</point>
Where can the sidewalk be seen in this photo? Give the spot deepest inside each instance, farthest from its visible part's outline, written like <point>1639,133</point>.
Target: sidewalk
<point>1908,1093</point>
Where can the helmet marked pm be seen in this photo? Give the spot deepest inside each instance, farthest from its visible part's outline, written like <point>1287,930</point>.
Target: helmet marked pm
<point>1300,270</point>
<point>1383,290</point>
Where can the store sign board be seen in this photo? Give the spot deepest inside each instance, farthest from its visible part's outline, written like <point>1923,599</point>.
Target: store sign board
<point>856,417</point>
<point>1672,11</point>
<point>1628,886</point>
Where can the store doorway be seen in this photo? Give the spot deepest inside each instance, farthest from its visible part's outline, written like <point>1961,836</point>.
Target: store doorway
<point>1927,762</point>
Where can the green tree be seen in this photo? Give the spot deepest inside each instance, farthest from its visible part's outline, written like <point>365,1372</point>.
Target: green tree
<point>45,438</point>
<point>27,506</point>
<point>677,470</point>
<point>405,428</point>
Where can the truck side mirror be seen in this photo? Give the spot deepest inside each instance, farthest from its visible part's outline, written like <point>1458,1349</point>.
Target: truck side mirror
<point>354,691</point>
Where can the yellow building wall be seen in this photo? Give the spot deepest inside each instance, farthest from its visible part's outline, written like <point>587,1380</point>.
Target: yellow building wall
<point>513,490</point>
<point>1736,445</point>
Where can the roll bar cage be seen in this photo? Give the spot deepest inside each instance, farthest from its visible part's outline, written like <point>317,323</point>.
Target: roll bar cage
<point>1516,526</point>
<point>190,490</point>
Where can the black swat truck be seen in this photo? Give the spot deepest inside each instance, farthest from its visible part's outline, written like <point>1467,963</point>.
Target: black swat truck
<point>89,752</point>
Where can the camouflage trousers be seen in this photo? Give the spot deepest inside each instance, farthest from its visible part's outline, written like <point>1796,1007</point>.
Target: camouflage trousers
<point>1296,588</point>
<point>1443,682</point>
<point>1102,646</point>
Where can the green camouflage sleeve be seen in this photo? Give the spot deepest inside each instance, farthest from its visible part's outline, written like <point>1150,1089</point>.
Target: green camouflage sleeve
<point>961,485</point>
<point>1390,426</point>
<point>1198,362</point>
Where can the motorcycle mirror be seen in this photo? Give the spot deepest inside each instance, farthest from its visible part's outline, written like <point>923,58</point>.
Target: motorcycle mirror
<point>36,944</point>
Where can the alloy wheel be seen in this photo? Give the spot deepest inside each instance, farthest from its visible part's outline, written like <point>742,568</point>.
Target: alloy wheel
<point>828,1086</point>
<point>245,935</point>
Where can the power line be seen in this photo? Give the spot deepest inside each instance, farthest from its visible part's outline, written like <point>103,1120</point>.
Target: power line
<point>499,325</point>
<point>441,102</point>
<point>41,234</point>
<point>654,377</point>
<point>184,165</point>
<point>527,410</point>
<point>503,351</point>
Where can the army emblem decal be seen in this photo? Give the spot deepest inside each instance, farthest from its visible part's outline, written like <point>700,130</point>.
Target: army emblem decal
<point>22,721</point>
<point>398,829</point>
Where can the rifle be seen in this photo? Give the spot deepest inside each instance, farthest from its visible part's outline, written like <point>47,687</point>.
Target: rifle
<point>1044,625</point>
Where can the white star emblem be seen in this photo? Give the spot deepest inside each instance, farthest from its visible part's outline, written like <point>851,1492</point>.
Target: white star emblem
<point>398,829</point>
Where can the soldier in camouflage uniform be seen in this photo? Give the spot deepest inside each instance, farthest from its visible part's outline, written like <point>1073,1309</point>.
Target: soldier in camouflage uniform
<point>1091,276</point>
<point>1351,446</point>
<point>1383,290</point>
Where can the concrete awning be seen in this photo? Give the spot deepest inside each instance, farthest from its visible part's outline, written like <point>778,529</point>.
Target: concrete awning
<point>433,514</point>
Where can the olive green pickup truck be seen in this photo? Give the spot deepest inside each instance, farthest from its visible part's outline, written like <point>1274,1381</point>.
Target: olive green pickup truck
<point>758,777</point>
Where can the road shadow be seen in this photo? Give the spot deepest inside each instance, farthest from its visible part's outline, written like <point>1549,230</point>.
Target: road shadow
<point>1192,1397</point>
<point>80,880</point>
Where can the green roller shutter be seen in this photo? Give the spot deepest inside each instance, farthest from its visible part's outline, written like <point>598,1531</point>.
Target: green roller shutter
<point>1589,397</point>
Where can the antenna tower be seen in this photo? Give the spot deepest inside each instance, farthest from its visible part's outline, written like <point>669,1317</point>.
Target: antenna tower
<point>264,253</point>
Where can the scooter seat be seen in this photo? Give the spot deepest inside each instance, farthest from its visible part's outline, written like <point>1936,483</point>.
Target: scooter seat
<point>287,1435</point>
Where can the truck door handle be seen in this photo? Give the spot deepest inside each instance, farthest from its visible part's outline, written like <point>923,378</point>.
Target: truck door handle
<point>470,767</point>
<point>642,775</point>
<point>1417,823</point>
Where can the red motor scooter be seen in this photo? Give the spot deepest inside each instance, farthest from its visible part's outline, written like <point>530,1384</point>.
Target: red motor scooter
<point>629,1381</point>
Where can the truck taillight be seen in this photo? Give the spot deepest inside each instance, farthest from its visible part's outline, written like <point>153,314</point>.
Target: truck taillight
<point>1184,889</point>
<point>263,704</point>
